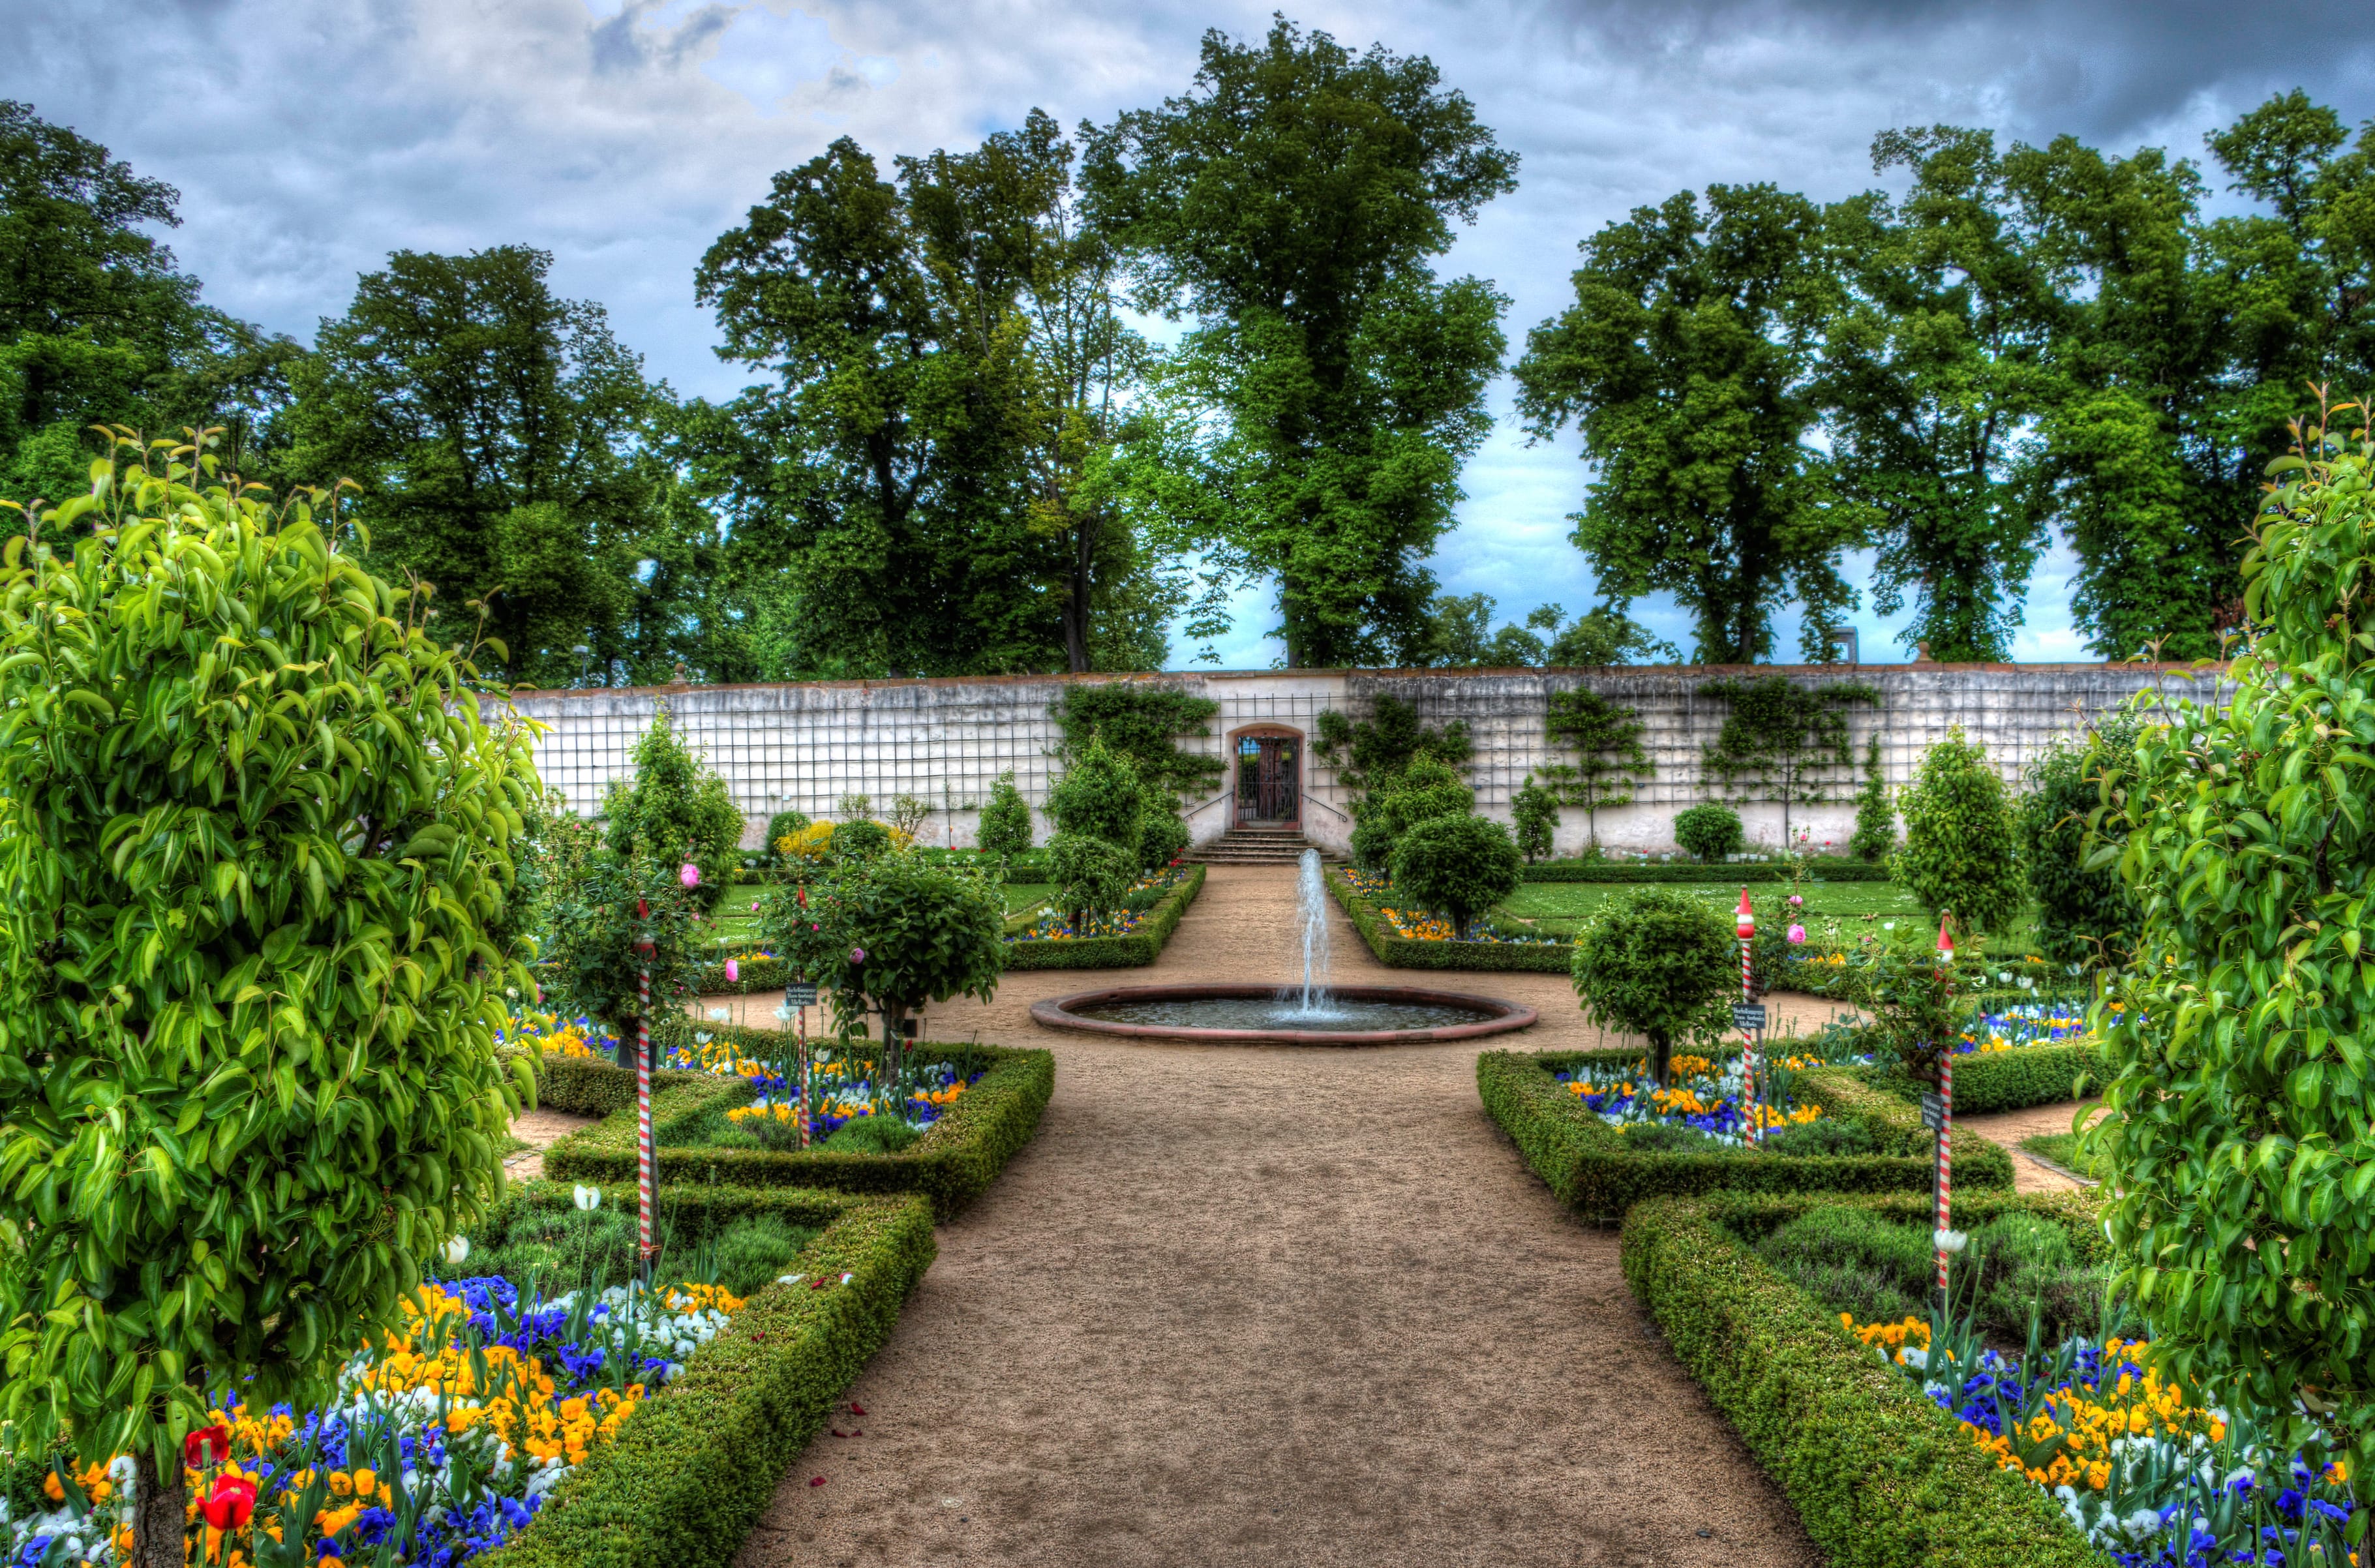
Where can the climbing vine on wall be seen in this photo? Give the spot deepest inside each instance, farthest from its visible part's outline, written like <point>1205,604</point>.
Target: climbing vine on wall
<point>1142,723</point>
<point>1611,763</point>
<point>1781,739</point>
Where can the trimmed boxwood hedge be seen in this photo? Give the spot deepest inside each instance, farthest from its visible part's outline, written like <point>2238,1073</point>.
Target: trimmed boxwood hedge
<point>1400,953</point>
<point>694,1468</point>
<point>1590,1167</point>
<point>1880,1475</point>
<point>1141,947</point>
<point>969,1146</point>
<point>1822,870</point>
<point>2015,1080</point>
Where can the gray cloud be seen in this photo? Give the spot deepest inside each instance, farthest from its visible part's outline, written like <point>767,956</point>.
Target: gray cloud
<point>309,140</point>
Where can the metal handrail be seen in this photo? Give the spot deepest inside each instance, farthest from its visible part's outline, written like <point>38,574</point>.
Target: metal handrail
<point>1225,794</point>
<point>1316,801</point>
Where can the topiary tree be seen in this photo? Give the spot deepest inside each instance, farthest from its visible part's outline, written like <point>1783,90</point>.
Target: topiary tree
<point>255,836</point>
<point>1960,854</point>
<point>676,810</point>
<point>1099,796</point>
<point>2237,1152</point>
<point>1874,838</point>
<point>1459,867</point>
<point>1533,811</point>
<point>1090,876</point>
<point>889,935</point>
<point>1708,832</point>
<point>592,958</point>
<point>1660,963</point>
<point>1005,830</point>
<point>2085,913</point>
<point>1425,789</point>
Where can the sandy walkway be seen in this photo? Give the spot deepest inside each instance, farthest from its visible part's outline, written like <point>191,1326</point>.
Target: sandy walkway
<point>1268,1306</point>
<point>2008,1127</point>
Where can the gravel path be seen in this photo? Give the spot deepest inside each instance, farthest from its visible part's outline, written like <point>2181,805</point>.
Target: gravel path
<point>1271,1307</point>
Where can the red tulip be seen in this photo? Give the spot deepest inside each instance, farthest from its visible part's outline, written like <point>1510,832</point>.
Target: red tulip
<point>207,1445</point>
<point>231,1502</point>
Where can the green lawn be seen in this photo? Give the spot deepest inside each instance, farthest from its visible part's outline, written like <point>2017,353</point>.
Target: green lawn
<point>737,928</point>
<point>1558,907</point>
<point>2060,1148</point>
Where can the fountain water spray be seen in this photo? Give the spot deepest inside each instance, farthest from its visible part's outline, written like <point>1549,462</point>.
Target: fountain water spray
<point>1311,894</point>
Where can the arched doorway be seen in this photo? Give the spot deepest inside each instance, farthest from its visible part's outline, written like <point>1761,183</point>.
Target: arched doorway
<point>1269,784</point>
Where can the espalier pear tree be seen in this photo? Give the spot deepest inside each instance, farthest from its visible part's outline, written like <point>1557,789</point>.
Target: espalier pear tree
<point>2239,1154</point>
<point>254,838</point>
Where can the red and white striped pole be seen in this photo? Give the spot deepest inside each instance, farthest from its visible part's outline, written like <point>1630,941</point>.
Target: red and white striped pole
<point>1745,923</point>
<point>1946,1115</point>
<point>643,1172</point>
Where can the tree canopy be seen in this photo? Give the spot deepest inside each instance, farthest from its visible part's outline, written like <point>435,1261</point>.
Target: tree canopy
<point>1289,203</point>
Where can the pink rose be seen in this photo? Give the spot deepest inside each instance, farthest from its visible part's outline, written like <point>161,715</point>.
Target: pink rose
<point>754,906</point>
<point>1795,902</point>
<point>690,875</point>
<point>857,955</point>
<point>1796,933</point>
<point>733,970</point>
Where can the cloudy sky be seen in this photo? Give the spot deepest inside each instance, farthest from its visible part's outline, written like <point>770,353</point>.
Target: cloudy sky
<point>310,137</point>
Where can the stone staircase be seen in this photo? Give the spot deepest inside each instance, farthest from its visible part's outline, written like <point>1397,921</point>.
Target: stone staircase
<point>1253,846</point>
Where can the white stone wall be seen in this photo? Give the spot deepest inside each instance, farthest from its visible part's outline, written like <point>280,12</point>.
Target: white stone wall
<point>803,746</point>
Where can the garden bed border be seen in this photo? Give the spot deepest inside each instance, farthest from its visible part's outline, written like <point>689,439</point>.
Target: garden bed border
<point>1880,1475</point>
<point>1136,950</point>
<point>970,1143</point>
<point>1587,1165</point>
<point>1403,953</point>
<point>691,1471</point>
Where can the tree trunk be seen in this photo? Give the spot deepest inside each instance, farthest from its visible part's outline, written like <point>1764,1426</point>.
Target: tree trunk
<point>1076,611</point>
<point>157,1515</point>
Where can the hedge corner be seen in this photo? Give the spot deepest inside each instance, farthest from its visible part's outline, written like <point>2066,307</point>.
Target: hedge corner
<point>1588,1165</point>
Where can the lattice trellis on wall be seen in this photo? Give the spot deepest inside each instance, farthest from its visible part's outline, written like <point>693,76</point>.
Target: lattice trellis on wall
<point>804,747</point>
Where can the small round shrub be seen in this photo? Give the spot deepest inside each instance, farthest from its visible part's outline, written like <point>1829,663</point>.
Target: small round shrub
<point>890,933</point>
<point>1960,853</point>
<point>1661,963</point>
<point>1708,832</point>
<point>1458,867</point>
<point>1090,875</point>
<point>861,839</point>
<point>1005,830</point>
<point>1162,838</point>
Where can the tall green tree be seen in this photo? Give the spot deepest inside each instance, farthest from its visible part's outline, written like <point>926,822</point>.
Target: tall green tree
<point>1932,372</point>
<point>100,327</point>
<point>890,445</point>
<point>1289,203</point>
<point>1689,363</point>
<point>499,435</point>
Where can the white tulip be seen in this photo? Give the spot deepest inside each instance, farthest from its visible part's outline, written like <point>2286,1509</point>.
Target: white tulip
<point>588,1198</point>
<point>1949,1240</point>
<point>456,1250</point>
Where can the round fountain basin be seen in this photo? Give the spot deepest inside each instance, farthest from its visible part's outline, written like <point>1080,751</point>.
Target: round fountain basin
<point>1273,1015</point>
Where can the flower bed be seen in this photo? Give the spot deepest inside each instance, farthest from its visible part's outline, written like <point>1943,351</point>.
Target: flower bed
<point>2024,1054</point>
<point>1386,939</point>
<point>972,1133</point>
<point>1590,1163</point>
<point>2082,1446</point>
<point>1702,1095</point>
<point>2142,1467</point>
<point>1138,942</point>
<point>1881,1477</point>
<point>484,1420</point>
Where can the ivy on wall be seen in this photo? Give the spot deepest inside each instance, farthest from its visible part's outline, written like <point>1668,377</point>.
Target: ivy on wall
<point>1142,723</point>
<point>1611,763</point>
